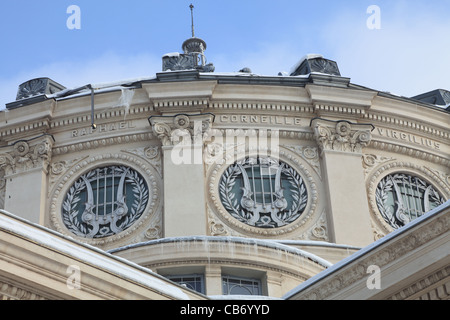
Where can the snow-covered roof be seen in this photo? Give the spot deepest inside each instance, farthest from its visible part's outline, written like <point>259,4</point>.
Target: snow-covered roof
<point>305,57</point>
<point>90,254</point>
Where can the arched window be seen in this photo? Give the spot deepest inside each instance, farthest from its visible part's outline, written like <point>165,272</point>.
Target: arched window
<point>241,286</point>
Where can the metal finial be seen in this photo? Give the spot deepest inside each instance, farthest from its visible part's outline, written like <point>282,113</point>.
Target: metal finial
<point>192,19</point>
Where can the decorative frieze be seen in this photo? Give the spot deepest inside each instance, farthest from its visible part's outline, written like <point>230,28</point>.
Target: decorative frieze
<point>2,189</point>
<point>104,142</point>
<point>387,254</point>
<point>152,154</point>
<point>13,292</point>
<point>341,135</point>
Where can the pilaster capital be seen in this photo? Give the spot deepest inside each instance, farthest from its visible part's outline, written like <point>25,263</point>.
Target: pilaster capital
<point>25,155</point>
<point>181,128</point>
<point>341,135</point>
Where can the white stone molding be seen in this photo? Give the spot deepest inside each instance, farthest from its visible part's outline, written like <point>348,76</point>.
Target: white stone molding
<point>319,231</point>
<point>410,151</point>
<point>351,111</point>
<point>370,161</point>
<point>309,154</point>
<point>152,154</point>
<point>408,124</point>
<point>421,289</point>
<point>102,142</point>
<point>25,155</point>
<point>341,135</point>
<point>191,128</point>
<point>14,292</point>
<point>142,225</point>
<point>258,106</point>
<point>41,125</point>
<point>2,189</point>
<point>381,227</point>
<point>58,168</point>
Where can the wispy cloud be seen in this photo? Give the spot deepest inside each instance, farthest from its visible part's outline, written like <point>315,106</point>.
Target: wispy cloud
<point>407,56</point>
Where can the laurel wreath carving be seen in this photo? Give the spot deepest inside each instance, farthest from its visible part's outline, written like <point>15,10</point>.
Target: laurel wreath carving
<point>71,204</point>
<point>234,208</point>
<point>385,186</point>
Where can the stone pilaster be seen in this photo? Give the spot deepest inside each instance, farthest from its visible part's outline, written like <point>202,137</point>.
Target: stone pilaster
<point>341,144</point>
<point>25,165</point>
<point>183,172</point>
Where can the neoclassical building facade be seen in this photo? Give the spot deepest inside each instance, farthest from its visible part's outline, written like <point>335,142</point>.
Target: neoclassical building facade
<point>219,184</point>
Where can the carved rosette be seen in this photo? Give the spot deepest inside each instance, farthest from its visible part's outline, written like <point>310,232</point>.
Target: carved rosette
<point>341,135</point>
<point>181,129</point>
<point>26,155</point>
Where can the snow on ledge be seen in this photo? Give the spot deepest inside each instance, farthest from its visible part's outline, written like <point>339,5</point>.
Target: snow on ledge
<point>305,57</point>
<point>236,240</point>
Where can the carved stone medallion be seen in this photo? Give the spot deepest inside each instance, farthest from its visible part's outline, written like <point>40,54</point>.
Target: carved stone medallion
<point>106,198</point>
<point>105,201</point>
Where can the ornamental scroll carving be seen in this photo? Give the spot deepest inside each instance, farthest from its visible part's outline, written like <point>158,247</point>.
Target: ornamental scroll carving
<point>27,154</point>
<point>341,135</point>
<point>182,128</point>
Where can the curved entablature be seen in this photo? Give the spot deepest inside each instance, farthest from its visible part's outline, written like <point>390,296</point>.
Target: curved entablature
<point>224,242</point>
<point>410,132</point>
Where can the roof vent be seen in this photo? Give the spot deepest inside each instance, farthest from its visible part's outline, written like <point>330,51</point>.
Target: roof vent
<point>34,91</point>
<point>245,70</point>
<point>315,63</point>
<point>38,86</point>
<point>439,97</point>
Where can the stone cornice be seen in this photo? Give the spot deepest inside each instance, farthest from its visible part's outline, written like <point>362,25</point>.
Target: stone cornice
<point>102,142</point>
<point>180,96</point>
<point>410,151</point>
<point>10,291</point>
<point>34,254</point>
<point>440,280</point>
<point>25,129</point>
<point>396,248</point>
<point>411,125</point>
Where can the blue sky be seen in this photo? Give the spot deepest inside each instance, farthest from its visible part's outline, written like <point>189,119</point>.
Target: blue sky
<point>120,40</point>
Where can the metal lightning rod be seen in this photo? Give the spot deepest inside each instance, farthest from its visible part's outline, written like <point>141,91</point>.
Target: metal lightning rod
<point>192,19</point>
